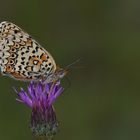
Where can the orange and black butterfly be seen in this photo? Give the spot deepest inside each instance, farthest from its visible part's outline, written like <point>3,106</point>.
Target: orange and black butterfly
<point>23,58</point>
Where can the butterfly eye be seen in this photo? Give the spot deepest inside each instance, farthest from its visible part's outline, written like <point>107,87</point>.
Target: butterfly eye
<point>61,73</point>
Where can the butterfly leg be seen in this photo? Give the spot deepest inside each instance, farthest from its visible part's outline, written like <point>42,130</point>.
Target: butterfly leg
<point>52,86</point>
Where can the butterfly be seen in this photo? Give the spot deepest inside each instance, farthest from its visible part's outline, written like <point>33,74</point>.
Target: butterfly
<point>23,58</point>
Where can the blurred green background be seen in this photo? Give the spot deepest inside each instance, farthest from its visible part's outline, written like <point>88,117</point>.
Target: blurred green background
<point>103,101</point>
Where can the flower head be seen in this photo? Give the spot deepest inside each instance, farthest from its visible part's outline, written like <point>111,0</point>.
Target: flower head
<point>40,98</point>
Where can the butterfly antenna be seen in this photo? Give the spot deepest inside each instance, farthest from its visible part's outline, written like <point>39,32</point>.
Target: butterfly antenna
<point>73,63</point>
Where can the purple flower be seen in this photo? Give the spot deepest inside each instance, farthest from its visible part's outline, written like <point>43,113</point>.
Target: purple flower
<point>40,98</point>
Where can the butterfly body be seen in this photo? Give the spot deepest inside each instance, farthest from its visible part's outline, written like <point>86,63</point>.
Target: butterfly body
<point>22,58</point>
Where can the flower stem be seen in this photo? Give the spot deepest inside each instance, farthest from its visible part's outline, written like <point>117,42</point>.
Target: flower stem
<point>43,138</point>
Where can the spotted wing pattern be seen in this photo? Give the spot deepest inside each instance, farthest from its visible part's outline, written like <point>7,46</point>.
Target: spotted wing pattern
<point>21,57</point>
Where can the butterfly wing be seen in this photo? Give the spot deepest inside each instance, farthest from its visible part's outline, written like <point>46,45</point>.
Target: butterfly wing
<point>21,57</point>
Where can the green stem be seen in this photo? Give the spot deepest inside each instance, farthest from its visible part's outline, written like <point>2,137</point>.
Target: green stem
<point>43,138</point>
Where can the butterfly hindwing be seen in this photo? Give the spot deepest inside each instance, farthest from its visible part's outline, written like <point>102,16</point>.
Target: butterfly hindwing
<point>21,57</point>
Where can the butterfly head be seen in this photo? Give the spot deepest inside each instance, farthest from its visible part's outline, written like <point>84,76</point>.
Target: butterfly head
<point>57,75</point>
<point>60,73</point>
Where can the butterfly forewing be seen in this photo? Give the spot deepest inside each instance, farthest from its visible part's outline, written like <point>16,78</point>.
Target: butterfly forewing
<point>21,57</point>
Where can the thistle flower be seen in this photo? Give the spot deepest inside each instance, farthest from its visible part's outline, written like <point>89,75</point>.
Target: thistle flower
<point>40,98</point>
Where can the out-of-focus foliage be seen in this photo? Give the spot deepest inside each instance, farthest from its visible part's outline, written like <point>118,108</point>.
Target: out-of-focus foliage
<point>103,100</point>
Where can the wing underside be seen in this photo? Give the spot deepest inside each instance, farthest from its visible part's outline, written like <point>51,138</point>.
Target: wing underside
<point>21,57</point>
